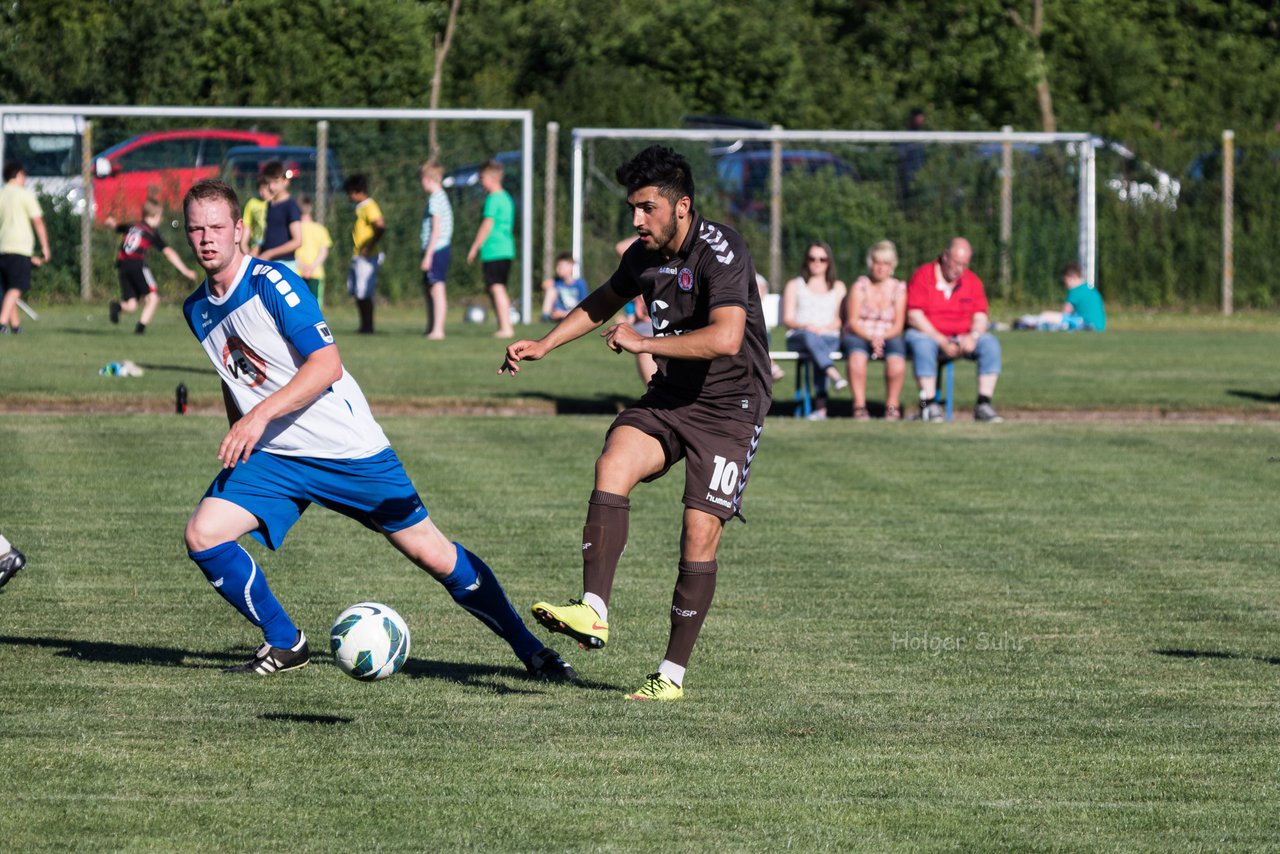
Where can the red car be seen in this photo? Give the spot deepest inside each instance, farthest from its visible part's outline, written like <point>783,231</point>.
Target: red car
<point>162,165</point>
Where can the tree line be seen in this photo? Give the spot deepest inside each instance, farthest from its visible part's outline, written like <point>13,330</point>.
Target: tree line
<point>1162,76</point>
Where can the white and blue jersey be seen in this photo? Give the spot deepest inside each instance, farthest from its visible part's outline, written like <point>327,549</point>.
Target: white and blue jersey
<point>257,336</point>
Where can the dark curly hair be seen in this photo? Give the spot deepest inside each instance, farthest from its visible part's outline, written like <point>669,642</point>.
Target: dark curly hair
<point>661,167</point>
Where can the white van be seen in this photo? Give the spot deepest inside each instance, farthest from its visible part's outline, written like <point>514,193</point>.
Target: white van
<point>49,149</point>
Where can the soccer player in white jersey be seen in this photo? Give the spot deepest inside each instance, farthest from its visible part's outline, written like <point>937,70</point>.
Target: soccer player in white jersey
<point>301,433</point>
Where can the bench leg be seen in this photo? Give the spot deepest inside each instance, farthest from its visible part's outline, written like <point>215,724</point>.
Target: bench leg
<point>947,381</point>
<point>804,388</point>
<point>951,387</point>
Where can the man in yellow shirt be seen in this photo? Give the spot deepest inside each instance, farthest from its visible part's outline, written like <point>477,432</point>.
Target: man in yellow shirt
<point>21,222</point>
<point>362,280</point>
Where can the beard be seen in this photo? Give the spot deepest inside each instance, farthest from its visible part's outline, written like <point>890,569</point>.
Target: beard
<point>663,237</point>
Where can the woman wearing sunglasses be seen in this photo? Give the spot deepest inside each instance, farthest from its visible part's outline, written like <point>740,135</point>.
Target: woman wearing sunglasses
<point>811,314</point>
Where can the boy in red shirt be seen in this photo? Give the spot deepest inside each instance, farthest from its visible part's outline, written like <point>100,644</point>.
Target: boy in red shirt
<point>136,279</point>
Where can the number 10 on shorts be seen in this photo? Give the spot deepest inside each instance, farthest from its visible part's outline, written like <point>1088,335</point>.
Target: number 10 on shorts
<point>725,478</point>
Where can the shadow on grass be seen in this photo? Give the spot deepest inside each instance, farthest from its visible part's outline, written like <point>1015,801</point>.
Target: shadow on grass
<point>184,369</point>
<point>1254,395</point>
<point>118,653</point>
<point>610,404</point>
<point>286,717</point>
<point>1210,653</point>
<point>484,674</point>
<point>104,652</point>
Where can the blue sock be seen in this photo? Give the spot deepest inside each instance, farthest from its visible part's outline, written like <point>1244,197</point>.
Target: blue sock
<point>238,579</point>
<point>474,586</point>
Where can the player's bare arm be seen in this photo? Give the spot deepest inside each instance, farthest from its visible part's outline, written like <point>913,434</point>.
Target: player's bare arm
<point>321,369</point>
<point>722,336</point>
<point>482,234</point>
<point>600,305</point>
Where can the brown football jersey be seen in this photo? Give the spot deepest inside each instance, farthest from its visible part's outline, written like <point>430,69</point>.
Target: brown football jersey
<point>713,269</point>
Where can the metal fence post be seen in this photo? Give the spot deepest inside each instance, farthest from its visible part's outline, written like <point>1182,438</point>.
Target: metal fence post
<point>322,171</point>
<point>86,219</point>
<point>1228,237</point>
<point>549,205</point>
<point>775,213</point>
<point>1006,213</point>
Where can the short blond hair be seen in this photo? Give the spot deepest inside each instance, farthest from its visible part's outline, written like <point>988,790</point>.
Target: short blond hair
<point>431,169</point>
<point>884,247</point>
<point>151,208</point>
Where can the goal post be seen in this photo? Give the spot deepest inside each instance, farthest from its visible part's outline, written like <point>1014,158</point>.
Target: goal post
<point>868,164</point>
<point>327,121</point>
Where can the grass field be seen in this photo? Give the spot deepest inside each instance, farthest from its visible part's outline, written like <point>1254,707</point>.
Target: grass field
<point>1044,634</point>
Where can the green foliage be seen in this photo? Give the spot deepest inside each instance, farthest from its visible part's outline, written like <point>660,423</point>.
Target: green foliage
<point>1155,74</point>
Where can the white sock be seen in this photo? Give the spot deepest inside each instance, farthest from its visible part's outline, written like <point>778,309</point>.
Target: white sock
<point>4,545</point>
<point>597,605</point>
<point>674,672</point>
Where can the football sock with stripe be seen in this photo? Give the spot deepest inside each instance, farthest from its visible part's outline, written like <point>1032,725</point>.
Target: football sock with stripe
<point>237,577</point>
<point>695,587</point>
<point>474,587</point>
<point>604,539</point>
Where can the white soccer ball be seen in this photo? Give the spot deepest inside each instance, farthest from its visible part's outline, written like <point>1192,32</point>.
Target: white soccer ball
<point>475,314</point>
<point>369,641</point>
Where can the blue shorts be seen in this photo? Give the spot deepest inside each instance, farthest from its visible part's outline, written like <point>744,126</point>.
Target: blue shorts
<point>851,344</point>
<point>439,267</point>
<point>375,491</point>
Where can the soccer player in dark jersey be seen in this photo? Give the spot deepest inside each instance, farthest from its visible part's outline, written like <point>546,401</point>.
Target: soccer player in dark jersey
<point>706,403</point>
<point>136,279</point>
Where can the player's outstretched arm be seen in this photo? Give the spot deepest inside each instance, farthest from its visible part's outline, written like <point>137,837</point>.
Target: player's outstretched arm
<point>722,336</point>
<point>600,305</point>
<point>321,369</point>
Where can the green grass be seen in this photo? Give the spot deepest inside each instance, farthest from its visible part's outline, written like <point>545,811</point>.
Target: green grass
<point>1148,363</point>
<point>1035,635</point>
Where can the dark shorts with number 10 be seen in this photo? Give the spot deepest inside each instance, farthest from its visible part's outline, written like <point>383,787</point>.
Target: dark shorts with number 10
<point>717,451</point>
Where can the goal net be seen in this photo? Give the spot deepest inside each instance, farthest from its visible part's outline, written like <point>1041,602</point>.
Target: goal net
<point>1024,200</point>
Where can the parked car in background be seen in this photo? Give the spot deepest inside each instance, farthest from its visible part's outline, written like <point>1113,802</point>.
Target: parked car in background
<point>744,174</point>
<point>49,149</point>
<point>162,165</point>
<point>242,164</point>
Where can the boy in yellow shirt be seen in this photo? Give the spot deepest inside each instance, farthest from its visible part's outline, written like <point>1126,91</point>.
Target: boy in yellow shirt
<point>311,255</point>
<point>362,280</point>
<point>255,218</point>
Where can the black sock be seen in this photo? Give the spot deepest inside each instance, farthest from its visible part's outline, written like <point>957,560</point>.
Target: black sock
<point>140,328</point>
<point>983,398</point>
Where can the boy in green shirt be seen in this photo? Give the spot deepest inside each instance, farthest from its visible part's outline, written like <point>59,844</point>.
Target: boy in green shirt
<point>495,244</point>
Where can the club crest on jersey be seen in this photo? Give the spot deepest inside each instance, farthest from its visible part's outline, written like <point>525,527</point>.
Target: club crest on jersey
<point>325,334</point>
<point>685,281</point>
<point>242,363</point>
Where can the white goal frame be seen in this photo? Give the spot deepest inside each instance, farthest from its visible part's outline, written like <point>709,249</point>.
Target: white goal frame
<point>524,117</point>
<point>1087,212</point>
